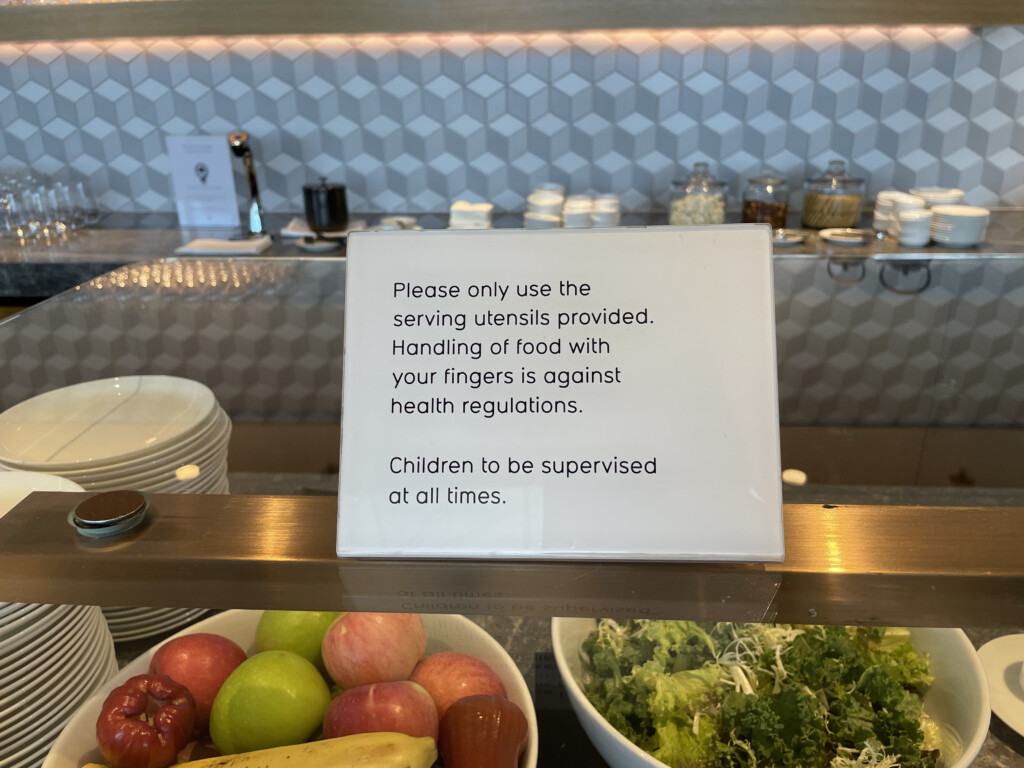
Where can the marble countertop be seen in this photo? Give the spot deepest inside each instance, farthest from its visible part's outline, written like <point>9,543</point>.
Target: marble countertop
<point>37,270</point>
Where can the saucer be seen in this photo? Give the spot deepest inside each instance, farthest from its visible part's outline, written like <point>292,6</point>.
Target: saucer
<point>841,236</point>
<point>1002,659</point>
<point>788,237</point>
<point>311,245</point>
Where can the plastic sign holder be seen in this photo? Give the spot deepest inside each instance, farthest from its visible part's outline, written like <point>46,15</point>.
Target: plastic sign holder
<point>203,181</point>
<point>602,394</point>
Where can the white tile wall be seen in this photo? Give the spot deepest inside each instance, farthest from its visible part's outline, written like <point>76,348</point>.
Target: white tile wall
<point>412,123</point>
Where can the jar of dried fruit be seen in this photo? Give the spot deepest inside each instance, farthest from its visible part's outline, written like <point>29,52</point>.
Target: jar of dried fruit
<point>699,200</point>
<point>833,199</point>
<point>766,200</point>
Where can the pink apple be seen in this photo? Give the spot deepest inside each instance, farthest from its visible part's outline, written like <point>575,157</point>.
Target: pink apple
<point>364,648</point>
<point>401,707</point>
<point>201,662</point>
<point>449,676</point>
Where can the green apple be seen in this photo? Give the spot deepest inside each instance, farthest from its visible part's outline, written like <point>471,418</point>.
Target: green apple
<point>300,632</point>
<point>272,699</point>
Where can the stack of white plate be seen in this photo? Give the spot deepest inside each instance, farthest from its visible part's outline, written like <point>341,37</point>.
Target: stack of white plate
<point>153,433</point>
<point>933,196</point>
<point>52,657</point>
<point>959,226</point>
<point>160,434</point>
<point>136,623</point>
<point>888,205</point>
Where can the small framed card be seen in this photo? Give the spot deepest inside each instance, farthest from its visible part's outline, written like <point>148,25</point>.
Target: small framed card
<point>204,184</point>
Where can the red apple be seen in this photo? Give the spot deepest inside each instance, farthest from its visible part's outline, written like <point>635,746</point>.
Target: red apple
<point>364,648</point>
<point>449,676</point>
<point>201,662</point>
<point>401,707</point>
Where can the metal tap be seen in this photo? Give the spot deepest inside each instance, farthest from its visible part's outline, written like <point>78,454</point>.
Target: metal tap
<point>239,142</point>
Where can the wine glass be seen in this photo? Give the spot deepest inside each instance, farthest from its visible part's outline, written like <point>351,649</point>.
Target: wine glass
<point>84,202</point>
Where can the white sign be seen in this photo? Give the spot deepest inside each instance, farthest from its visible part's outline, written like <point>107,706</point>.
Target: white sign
<point>204,185</point>
<point>568,393</point>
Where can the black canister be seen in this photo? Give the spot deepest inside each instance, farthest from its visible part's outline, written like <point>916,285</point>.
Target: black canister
<point>326,207</point>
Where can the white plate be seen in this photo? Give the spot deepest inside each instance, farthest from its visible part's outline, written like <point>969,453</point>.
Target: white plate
<point>214,431</point>
<point>120,418</point>
<point>960,211</point>
<point>39,661</point>
<point>1002,660</point>
<point>74,666</point>
<point>846,236</point>
<point>43,717</point>
<point>13,611</point>
<point>956,227</point>
<point>52,722</point>
<point>77,743</point>
<point>177,473</point>
<point>317,246</point>
<point>12,665</point>
<point>49,673</point>
<point>34,633</point>
<point>159,623</point>
<point>957,243</point>
<point>154,616</point>
<point>929,193</point>
<point>784,237</point>
<point>17,628</point>
<point>959,697</point>
<point>6,609</point>
<point>298,227</point>
<point>128,611</point>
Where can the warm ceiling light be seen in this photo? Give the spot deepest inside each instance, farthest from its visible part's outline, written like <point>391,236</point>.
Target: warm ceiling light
<point>187,472</point>
<point>794,477</point>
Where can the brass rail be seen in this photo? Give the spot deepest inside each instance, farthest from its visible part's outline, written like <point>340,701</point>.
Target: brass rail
<point>921,566</point>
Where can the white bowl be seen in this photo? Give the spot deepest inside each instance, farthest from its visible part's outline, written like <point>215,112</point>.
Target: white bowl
<point>76,745</point>
<point>959,698</point>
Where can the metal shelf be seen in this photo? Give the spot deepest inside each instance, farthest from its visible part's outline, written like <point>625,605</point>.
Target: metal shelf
<point>270,17</point>
<point>910,565</point>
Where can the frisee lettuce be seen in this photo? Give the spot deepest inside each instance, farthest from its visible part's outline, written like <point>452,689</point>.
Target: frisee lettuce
<point>730,695</point>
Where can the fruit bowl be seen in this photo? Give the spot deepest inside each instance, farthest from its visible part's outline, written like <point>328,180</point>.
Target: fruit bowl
<point>958,699</point>
<point>76,744</point>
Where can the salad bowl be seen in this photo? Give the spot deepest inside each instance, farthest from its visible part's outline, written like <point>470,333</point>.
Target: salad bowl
<point>958,700</point>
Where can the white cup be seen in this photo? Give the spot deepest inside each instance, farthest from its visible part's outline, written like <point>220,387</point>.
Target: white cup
<point>548,186</point>
<point>914,227</point>
<point>534,220</point>
<point>576,211</point>
<point>543,201</point>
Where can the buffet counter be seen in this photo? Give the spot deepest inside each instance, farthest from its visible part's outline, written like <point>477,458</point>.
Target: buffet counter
<point>32,271</point>
<point>265,335</point>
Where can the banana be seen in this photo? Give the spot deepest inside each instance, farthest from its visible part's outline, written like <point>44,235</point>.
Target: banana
<point>362,750</point>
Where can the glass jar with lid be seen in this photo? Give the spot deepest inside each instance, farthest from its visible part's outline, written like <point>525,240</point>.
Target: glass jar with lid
<point>766,200</point>
<point>699,200</point>
<point>833,199</point>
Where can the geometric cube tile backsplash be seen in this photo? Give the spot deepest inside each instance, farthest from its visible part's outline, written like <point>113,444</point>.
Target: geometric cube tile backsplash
<point>412,123</point>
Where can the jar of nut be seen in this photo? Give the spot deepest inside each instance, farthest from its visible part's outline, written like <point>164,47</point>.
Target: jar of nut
<point>766,200</point>
<point>699,200</point>
<point>833,199</point>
